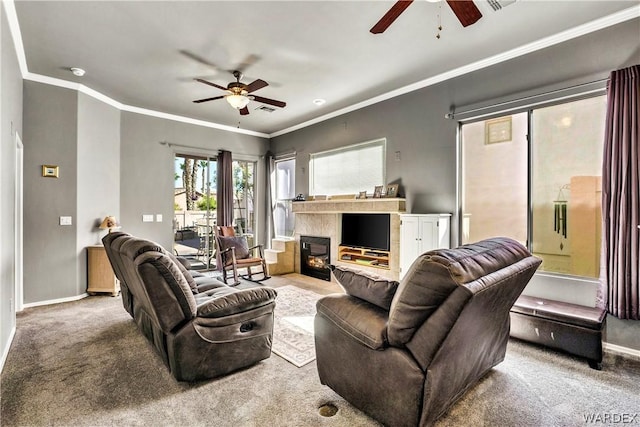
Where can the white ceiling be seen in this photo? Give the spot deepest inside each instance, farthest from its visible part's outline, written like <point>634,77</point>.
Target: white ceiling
<point>134,52</point>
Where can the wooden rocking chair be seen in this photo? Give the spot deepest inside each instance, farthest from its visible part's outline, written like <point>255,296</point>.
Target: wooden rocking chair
<point>235,253</point>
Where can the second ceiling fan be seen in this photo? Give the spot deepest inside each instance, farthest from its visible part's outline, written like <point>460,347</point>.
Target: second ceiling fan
<point>238,93</point>
<point>465,10</point>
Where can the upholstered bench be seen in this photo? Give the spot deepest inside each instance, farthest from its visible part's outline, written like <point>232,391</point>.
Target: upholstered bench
<point>572,328</point>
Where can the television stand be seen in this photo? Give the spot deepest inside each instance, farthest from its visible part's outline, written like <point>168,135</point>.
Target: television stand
<point>363,256</point>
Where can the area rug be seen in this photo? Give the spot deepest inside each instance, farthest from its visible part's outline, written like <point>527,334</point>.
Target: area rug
<point>293,329</point>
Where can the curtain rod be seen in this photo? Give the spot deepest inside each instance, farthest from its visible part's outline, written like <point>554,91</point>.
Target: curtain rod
<point>453,114</point>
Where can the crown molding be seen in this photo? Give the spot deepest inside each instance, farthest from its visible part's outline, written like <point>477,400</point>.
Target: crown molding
<point>598,24</point>
<point>581,30</point>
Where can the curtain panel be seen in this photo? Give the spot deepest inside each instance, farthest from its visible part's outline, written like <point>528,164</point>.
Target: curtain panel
<point>621,194</point>
<point>224,189</point>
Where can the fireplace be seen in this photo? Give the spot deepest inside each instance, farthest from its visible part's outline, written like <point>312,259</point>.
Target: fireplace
<point>315,257</point>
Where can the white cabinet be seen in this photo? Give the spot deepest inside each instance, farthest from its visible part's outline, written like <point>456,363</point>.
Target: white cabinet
<point>421,233</point>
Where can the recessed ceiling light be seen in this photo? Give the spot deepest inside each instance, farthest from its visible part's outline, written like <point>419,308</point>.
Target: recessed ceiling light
<point>319,101</point>
<point>77,71</point>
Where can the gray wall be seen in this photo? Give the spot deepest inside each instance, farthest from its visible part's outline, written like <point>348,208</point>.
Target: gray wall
<point>10,123</point>
<point>50,138</point>
<point>111,163</point>
<point>98,193</point>
<point>414,124</point>
<point>147,169</point>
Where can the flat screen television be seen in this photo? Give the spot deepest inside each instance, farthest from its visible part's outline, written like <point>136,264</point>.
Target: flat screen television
<point>370,231</point>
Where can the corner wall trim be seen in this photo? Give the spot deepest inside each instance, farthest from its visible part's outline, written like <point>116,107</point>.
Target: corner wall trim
<point>56,301</point>
<point>5,353</point>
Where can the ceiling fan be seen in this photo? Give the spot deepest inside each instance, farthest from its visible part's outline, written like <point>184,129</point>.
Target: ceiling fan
<point>238,93</point>
<point>466,11</point>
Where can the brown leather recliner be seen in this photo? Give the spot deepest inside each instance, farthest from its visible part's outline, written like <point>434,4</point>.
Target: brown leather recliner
<point>404,353</point>
<point>200,330</point>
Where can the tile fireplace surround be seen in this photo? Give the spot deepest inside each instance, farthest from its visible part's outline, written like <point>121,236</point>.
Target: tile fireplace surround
<point>322,218</point>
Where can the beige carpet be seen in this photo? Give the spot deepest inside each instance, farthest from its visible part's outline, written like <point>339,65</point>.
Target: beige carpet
<point>293,328</point>
<point>85,363</point>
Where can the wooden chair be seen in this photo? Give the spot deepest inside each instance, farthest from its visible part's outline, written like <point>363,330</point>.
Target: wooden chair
<point>235,253</point>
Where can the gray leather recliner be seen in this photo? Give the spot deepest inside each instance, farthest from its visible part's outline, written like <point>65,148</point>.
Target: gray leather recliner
<point>404,353</point>
<point>200,327</point>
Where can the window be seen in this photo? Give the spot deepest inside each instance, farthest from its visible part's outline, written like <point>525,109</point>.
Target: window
<point>244,185</point>
<point>545,193</point>
<point>285,178</point>
<point>348,170</point>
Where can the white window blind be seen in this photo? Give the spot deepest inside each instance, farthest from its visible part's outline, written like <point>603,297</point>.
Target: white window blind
<point>348,170</point>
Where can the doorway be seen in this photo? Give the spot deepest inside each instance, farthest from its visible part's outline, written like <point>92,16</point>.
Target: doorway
<point>18,224</point>
<point>195,209</point>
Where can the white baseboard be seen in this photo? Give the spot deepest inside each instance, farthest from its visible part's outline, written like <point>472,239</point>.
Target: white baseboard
<point>56,301</point>
<point>625,351</point>
<point>5,353</point>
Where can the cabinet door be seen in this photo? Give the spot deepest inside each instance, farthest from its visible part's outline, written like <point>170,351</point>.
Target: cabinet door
<point>434,232</point>
<point>409,242</point>
<point>428,233</point>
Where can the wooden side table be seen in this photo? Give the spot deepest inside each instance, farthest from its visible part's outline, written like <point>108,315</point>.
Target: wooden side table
<point>100,276</point>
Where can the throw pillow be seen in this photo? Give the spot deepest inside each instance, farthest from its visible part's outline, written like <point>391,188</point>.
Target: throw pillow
<point>238,242</point>
<point>372,288</point>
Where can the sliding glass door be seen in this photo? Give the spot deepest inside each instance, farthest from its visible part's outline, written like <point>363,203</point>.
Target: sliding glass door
<point>535,176</point>
<point>244,185</point>
<point>195,209</point>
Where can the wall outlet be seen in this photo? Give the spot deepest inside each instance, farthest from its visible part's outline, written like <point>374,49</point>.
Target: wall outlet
<point>147,218</point>
<point>66,220</point>
<point>158,217</point>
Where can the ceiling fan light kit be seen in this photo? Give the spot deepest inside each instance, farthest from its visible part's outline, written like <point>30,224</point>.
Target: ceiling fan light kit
<point>237,101</point>
<point>238,93</point>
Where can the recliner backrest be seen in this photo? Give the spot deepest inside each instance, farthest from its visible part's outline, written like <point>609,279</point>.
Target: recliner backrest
<point>114,257</point>
<point>158,293</point>
<point>435,275</point>
<point>168,291</point>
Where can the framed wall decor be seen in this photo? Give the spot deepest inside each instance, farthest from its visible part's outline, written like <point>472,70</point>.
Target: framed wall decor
<point>497,130</point>
<point>50,171</point>
<point>378,191</point>
<point>392,190</point>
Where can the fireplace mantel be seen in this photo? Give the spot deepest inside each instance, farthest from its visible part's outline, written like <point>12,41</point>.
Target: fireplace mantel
<point>390,205</point>
<point>322,218</point>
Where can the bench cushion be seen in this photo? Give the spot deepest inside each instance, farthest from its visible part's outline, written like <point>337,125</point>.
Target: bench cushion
<point>586,317</point>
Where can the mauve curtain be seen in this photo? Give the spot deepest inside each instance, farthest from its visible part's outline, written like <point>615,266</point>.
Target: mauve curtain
<point>621,194</point>
<point>224,189</point>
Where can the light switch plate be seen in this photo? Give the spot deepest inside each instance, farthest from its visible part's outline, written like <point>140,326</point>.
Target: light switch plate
<point>147,218</point>
<point>66,220</point>
<point>158,217</point>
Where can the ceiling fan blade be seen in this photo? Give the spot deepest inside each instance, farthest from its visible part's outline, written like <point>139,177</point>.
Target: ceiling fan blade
<point>390,16</point>
<point>269,101</point>
<point>247,62</point>
<point>466,11</point>
<point>197,58</point>
<point>244,111</point>
<point>255,85</point>
<point>210,84</point>
<point>197,101</point>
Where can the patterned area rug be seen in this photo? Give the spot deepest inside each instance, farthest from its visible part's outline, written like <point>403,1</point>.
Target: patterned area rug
<point>293,328</point>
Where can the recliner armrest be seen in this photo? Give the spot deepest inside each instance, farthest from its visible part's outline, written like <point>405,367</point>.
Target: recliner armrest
<point>365,322</point>
<point>237,302</point>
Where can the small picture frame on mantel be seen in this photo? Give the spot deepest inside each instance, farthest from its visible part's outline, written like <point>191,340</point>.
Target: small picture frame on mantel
<point>50,171</point>
<point>392,191</point>
<point>362,195</point>
<point>378,191</point>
